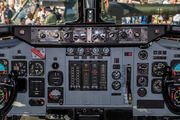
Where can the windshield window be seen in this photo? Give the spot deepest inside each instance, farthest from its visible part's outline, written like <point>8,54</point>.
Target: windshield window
<point>141,11</point>
<point>39,12</point>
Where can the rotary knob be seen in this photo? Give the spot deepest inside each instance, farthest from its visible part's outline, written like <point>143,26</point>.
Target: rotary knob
<point>83,37</point>
<point>94,37</point>
<point>75,37</point>
<point>112,35</point>
<point>42,35</point>
<point>102,36</point>
<point>124,34</point>
<point>56,35</point>
<point>66,35</point>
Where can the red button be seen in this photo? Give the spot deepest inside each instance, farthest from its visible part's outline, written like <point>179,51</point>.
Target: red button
<point>130,54</point>
<point>19,51</point>
<point>156,31</point>
<point>22,32</point>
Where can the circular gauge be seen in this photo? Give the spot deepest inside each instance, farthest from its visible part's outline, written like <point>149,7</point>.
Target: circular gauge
<point>55,94</point>
<point>176,67</point>
<point>36,68</point>
<point>55,78</point>
<point>143,55</point>
<point>20,67</point>
<point>3,67</point>
<point>158,68</point>
<point>80,50</point>
<point>142,81</point>
<point>106,50</point>
<point>116,85</point>
<point>142,92</point>
<point>177,96</point>
<point>142,68</point>
<point>70,50</point>
<point>116,75</point>
<point>1,96</point>
<point>95,50</point>
<point>156,86</point>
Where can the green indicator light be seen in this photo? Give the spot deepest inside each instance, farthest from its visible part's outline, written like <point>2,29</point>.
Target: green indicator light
<point>90,16</point>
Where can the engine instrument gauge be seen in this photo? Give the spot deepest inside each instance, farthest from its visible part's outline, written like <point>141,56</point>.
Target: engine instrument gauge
<point>55,94</point>
<point>106,50</point>
<point>95,50</point>
<point>156,86</point>
<point>142,68</point>
<point>142,92</point>
<point>143,55</point>
<point>177,96</point>
<point>55,78</point>
<point>175,67</point>
<point>116,75</point>
<point>70,50</point>
<point>20,67</point>
<point>157,68</point>
<point>142,81</point>
<point>3,67</point>
<point>2,95</point>
<point>80,50</point>
<point>116,85</point>
<point>36,68</point>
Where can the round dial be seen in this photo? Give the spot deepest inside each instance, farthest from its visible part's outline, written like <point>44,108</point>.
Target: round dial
<point>143,55</point>
<point>3,67</point>
<point>1,95</point>
<point>80,50</point>
<point>95,50</point>
<point>176,68</point>
<point>156,86</point>
<point>55,78</point>
<point>36,68</point>
<point>66,35</point>
<point>142,92</point>
<point>116,75</point>
<point>116,85</point>
<point>177,96</point>
<point>142,68</point>
<point>157,68</point>
<point>20,67</point>
<point>106,50</point>
<point>142,81</point>
<point>55,94</point>
<point>70,50</point>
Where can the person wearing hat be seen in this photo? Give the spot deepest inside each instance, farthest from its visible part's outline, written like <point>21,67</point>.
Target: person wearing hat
<point>51,18</point>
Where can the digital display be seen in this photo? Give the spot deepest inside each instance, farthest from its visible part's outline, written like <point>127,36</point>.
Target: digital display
<point>98,31</point>
<point>79,32</point>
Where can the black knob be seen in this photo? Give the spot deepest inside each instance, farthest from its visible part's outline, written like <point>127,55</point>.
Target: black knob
<point>167,70</point>
<point>42,35</point>
<point>66,35</point>
<point>123,34</point>
<point>83,37</point>
<point>75,37</point>
<point>94,37</point>
<point>102,36</point>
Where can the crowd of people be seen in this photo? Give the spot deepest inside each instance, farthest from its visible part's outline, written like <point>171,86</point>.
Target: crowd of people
<point>51,14</point>
<point>43,16</point>
<point>150,19</point>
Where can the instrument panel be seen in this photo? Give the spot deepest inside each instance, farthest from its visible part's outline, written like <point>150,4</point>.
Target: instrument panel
<point>89,80</point>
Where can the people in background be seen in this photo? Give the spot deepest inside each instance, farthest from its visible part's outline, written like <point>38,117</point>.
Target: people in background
<point>5,14</point>
<point>29,18</point>
<point>12,11</point>
<point>51,18</point>
<point>23,21</point>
